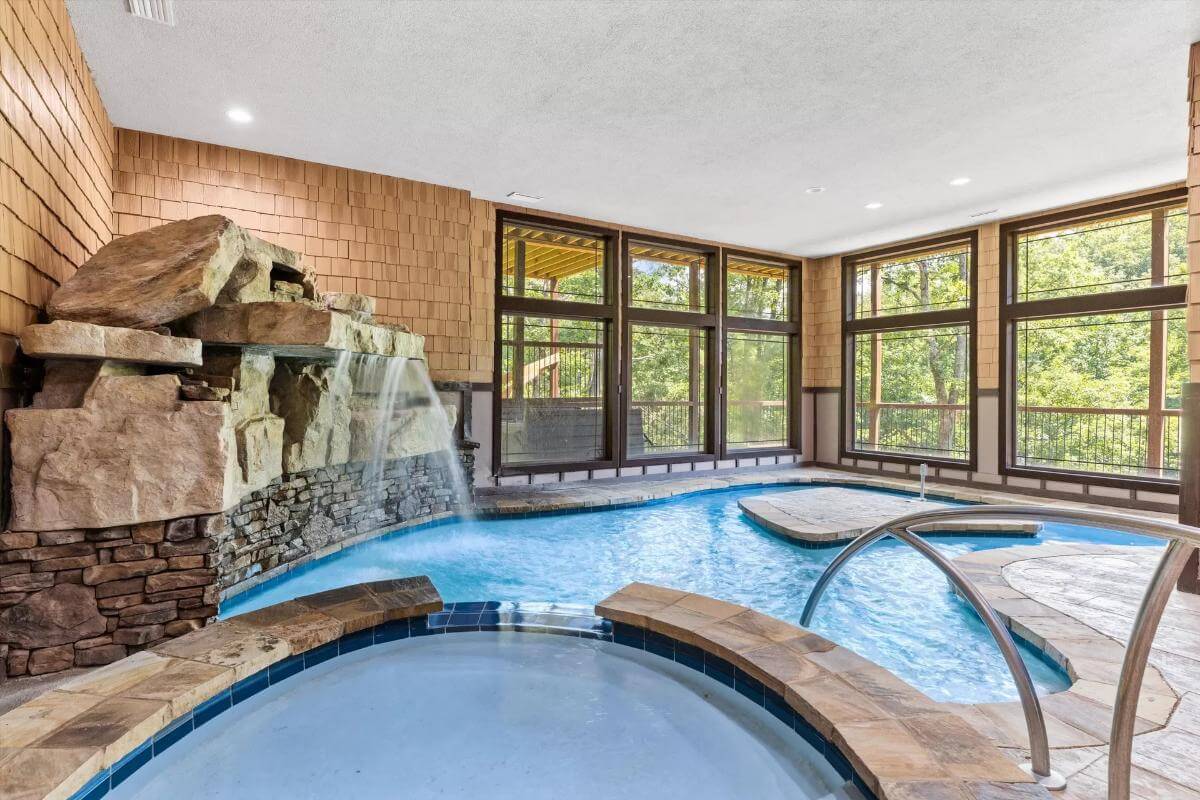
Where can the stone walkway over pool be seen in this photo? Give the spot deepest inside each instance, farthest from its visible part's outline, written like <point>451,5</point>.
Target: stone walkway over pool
<point>831,515</point>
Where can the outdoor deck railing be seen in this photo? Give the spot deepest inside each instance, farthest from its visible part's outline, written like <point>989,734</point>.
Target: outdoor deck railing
<point>1120,440</point>
<point>1181,541</point>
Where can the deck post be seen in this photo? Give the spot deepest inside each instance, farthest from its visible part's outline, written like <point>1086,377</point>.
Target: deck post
<point>1189,449</point>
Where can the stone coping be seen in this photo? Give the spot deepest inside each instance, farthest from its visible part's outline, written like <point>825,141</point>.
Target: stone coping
<point>618,492</point>
<point>902,744</point>
<point>825,516</point>
<point>1080,716</point>
<point>58,743</point>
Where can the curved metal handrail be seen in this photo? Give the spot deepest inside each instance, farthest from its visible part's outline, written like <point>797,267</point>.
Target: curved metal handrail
<point>1183,539</point>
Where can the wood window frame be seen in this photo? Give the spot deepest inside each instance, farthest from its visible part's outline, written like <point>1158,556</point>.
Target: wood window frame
<point>605,313</point>
<point>790,327</point>
<point>1012,311</point>
<point>959,317</point>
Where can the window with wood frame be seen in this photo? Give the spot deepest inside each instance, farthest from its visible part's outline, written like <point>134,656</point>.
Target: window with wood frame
<point>554,369</point>
<point>909,352</point>
<point>1096,341</point>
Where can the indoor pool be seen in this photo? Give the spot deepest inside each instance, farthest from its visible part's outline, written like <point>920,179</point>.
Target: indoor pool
<point>495,715</point>
<point>889,604</point>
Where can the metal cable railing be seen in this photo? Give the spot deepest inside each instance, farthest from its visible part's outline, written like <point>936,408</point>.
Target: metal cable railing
<point>1182,540</point>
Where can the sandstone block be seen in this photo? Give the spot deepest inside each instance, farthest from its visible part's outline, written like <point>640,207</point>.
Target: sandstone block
<point>133,552</point>
<point>313,400</point>
<point>17,662</point>
<point>84,644</point>
<point>114,588</point>
<point>148,614</point>
<point>61,614</point>
<point>17,541</point>
<point>26,582</point>
<point>119,602</point>
<point>119,572</point>
<point>192,547</point>
<point>147,533</point>
<point>178,530</point>
<point>143,634</point>
<point>81,340</point>
<point>96,467</point>
<point>66,383</point>
<point>101,655</point>
<point>61,537</point>
<point>167,581</point>
<point>153,277</point>
<point>60,565</point>
<point>360,305</point>
<point>51,659</point>
<point>300,330</point>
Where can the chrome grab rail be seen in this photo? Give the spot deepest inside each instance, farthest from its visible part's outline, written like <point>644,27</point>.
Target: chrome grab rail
<point>1182,540</point>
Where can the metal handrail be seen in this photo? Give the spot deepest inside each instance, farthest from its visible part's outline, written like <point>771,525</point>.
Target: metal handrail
<point>1183,539</point>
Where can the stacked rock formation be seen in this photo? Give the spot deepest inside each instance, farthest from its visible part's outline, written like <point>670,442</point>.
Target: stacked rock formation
<point>186,367</point>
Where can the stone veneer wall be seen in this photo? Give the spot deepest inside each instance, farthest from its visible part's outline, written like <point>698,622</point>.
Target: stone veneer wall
<point>301,514</point>
<point>89,597</point>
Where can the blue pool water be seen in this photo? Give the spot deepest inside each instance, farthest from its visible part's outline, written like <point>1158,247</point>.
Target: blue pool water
<point>889,604</point>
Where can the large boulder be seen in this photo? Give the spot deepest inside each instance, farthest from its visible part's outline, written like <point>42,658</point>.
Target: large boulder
<point>62,614</point>
<point>132,453</point>
<point>66,382</point>
<point>313,399</point>
<point>154,277</point>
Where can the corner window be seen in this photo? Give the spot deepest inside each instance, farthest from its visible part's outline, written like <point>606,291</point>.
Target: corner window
<point>909,352</point>
<point>1097,341</point>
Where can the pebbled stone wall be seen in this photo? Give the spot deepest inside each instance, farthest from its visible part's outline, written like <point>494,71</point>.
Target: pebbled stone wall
<point>304,513</point>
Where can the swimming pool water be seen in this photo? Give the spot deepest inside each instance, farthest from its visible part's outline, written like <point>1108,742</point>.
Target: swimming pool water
<point>888,604</point>
<point>503,716</point>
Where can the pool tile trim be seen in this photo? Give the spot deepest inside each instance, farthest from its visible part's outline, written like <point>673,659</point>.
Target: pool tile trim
<point>886,736</point>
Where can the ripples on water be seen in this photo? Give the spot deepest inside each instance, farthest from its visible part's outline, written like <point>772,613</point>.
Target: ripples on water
<point>888,604</point>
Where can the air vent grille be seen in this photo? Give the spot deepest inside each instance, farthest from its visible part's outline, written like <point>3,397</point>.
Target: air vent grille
<point>154,10</point>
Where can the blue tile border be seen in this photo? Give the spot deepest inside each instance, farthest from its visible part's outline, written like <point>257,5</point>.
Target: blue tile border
<point>723,672</point>
<point>542,618</point>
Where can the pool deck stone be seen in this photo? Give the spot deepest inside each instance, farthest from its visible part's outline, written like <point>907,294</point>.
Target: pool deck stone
<point>900,743</point>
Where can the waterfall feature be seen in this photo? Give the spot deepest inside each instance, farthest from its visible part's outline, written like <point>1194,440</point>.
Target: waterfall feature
<point>396,412</point>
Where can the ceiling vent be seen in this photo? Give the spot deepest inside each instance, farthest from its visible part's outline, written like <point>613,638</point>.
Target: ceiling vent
<point>162,11</point>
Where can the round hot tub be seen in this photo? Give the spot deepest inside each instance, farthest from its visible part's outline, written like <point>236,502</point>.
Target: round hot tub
<point>491,715</point>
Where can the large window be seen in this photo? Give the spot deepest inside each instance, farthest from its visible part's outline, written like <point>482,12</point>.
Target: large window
<point>1096,341</point>
<point>554,367</point>
<point>909,352</point>
<point>692,355</point>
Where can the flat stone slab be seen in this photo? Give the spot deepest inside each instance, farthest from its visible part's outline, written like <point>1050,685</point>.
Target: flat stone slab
<point>829,515</point>
<point>301,330</point>
<point>84,340</point>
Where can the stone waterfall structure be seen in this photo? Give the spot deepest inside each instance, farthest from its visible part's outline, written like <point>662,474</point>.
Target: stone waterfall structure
<point>198,425</point>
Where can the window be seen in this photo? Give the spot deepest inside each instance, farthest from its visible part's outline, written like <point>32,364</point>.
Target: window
<point>1096,343</point>
<point>762,354</point>
<point>756,289</point>
<point>757,393</point>
<point>555,377</point>
<point>551,264</point>
<point>668,396</point>
<point>552,390</point>
<point>909,352</point>
<point>692,355</point>
<point>667,279</point>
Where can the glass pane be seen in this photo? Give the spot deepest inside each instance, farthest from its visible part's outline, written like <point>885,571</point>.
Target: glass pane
<point>667,397</point>
<point>1084,391</point>
<point>756,414</point>
<point>936,280</point>
<point>912,392</point>
<point>552,390</point>
<point>552,264</point>
<point>756,289</point>
<point>1105,256</point>
<point>1177,244</point>
<point>667,279</point>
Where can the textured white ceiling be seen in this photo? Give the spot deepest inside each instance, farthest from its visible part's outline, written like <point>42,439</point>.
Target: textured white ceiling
<point>704,119</point>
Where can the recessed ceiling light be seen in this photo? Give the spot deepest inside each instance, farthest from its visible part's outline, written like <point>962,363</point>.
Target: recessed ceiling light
<point>873,206</point>
<point>960,181</point>
<point>985,213</point>
<point>240,115</point>
<point>525,198</point>
<point>814,190</point>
